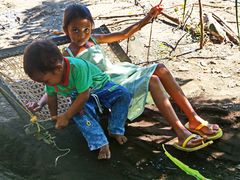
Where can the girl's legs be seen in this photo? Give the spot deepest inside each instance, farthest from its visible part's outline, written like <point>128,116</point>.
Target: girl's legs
<point>118,116</point>
<point>117,99</point>
<point>163,104</point>
<point>178,96</point>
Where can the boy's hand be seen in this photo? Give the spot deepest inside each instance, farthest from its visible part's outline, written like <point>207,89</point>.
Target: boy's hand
<point>61,121</point>
<point>33,106</point>
<point>155,11</point>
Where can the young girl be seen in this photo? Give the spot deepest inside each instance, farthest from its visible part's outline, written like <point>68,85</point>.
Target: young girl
<point>43,62</point>
<point>78,24</point>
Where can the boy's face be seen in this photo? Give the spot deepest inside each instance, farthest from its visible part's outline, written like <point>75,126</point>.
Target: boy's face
<point>79,31</point>
<point>51,78</point>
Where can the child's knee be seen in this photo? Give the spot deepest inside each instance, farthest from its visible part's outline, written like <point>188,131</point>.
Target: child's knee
<point>126,95</point>
<point>161,70</point>
<point>154,80</point>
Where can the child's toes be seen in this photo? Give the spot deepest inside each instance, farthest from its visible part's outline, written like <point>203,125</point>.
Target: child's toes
<point>104,153</point>
<point>123,139</point>
<point>215,127</point>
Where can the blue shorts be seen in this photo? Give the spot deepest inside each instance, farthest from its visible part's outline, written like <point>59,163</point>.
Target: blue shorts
<point>114,97</point>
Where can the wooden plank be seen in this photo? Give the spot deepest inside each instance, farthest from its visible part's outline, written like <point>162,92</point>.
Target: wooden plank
<point>60,40</point>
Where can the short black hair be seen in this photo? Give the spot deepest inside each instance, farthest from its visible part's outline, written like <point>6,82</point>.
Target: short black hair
<point>75,11</point>
<point>41,56</point>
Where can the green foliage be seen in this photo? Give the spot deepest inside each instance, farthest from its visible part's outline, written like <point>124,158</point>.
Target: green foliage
<point>41,133</point>
<point>176,9</point>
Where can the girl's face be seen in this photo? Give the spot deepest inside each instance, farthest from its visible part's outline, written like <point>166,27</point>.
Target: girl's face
<point>49,78</point>
<point>79,31</point>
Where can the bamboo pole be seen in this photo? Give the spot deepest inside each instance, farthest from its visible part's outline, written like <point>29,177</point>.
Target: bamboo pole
<point>201,24</point>
<point>237,20</point>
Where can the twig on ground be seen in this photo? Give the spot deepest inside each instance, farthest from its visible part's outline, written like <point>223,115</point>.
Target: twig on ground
<point>186,53</point>
<point>124,20</point>
<point>175,20</point>
<point>204,57</point>
<point>210,5</point>
<point>159,60</point>
<point>120,16</point>
<point>188,16</point>
<point>177,43</point>
<point>228,30</point>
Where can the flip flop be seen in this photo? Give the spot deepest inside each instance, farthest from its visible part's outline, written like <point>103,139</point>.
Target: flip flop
<point>190,149</point>
<point>209,137</point>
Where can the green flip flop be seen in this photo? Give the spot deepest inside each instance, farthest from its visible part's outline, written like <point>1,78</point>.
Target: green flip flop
<point>199,127</point>
<point>190,149</point>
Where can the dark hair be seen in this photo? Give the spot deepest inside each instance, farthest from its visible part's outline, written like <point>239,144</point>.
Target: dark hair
<point>75,11</point>
<point>41,56</point>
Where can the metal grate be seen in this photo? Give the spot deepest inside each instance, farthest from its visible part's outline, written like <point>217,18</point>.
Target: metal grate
<point>16,86</point>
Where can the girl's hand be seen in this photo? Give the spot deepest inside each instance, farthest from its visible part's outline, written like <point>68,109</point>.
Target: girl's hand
<point>62,120</point>
<point>33,106</point>
<point>155,11</point>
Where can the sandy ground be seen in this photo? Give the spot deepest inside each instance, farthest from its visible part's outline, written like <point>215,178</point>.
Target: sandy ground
<point>209,77</point>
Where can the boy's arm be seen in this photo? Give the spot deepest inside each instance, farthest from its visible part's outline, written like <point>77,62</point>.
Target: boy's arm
<point>63,119</point>
<point>126,33</point>
<point>52,104</point>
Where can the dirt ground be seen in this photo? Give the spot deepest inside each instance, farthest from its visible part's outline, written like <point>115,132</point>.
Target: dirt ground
<point>209,77</point>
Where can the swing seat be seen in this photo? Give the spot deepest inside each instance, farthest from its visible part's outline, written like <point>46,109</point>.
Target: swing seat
<point>17,87</point>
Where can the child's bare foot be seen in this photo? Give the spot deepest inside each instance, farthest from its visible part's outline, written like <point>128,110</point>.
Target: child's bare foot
<point>121,139</point>
<point>104,152</point>
<point>207,129</point>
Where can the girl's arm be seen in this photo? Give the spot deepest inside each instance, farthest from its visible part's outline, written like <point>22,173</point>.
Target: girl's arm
<point>37,106</point>
<point>65,53</point>
<point>43,101</point>
<point>126,33</point>
<point>63,119</point>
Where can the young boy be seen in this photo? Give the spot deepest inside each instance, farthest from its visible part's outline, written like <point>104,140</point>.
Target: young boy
<point>43,62</point>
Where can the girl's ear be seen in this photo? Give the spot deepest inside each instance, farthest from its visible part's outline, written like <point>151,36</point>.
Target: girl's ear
<point>65,30</point>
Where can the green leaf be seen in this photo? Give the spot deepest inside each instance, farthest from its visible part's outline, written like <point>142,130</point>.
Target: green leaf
<point>184,167</point>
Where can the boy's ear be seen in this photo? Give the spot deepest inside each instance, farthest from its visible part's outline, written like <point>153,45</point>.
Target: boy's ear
<point>59,67</point>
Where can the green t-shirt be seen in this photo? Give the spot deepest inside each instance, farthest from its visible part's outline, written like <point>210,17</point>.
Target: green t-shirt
<point>80,76</point>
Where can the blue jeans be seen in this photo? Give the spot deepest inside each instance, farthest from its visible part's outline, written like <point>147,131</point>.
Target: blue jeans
<point>113,97</point>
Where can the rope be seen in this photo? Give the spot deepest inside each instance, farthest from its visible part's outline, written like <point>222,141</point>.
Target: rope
<point>33,117</point>
<point>68,150</point>
<point>150,35</point>
<point>34,121</point>
<point>150,40</point>
<point>100,108</point>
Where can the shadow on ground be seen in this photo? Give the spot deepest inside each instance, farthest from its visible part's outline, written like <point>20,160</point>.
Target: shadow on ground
<point>23,157</point>
<point>35,23</point>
